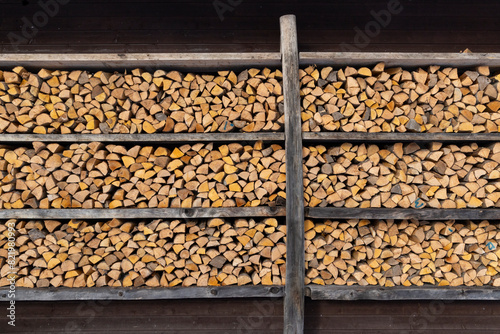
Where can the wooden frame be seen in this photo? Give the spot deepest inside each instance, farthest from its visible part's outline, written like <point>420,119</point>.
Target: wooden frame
<point>293,138</point>
<point>173,213</point>
<point>110,293</point>
<point>160,138</point>
<point>319,292</point>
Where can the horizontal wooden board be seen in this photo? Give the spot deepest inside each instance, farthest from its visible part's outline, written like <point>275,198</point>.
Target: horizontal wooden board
<point>399,137</point>
<point>143,138</point>
<point>141,213</point>
<point>421,214</point>
<point>318,292</point>
<point>185,61</point>
<point>105,293</point>
<point>399,59</point>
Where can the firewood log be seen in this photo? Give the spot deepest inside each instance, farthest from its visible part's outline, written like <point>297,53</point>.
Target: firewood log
<point>168,253</point>
<point>140,102</point>
<point>398,100</point>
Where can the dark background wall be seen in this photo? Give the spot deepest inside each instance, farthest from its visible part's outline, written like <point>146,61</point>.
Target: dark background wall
<point>254,316</point>
<point>244,25</point>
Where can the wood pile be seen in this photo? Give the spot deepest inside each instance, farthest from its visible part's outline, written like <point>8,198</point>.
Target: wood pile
<point>399,100</point>
<point>155,253</point>
<point>402,175</point>
<point>402,253</point>
<point>95,175</point>
<point>140,102</point>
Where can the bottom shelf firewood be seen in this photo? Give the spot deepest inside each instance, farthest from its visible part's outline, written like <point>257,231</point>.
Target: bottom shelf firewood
<point>402,253</point>
<point>164,253</point>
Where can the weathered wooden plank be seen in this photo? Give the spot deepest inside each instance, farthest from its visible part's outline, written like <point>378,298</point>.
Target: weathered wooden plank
<point>190,61</point>
<point>382,213</point>
<point>294,290</point>
<point>399,137</point>
<point>142,137</point>
<point>141,213</point>
<point>318,292</point>
<point>108,293</point>
<point>399,59</point>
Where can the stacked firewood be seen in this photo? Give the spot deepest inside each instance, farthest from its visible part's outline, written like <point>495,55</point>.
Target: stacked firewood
<point>155,253</point>
<point>403,175</point>
<point>402,253</point>
<point>398,100</point>
<point>139,102</point>
<point>95,175</point>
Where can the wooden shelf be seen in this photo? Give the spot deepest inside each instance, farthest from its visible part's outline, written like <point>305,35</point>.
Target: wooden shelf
<point>400,213</point>
<point>319,292</point>
<point>399,59</point>
<point>399,137</point>
<point>114,61</point>
<point>121,213</point>
<point>143,138</point>
<point>109,293</point>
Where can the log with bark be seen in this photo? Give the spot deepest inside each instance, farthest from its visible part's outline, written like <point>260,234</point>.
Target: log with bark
<point>402,175</point>
<point>402,253</point>
<point>380,99</point>
<point>167,253</point>
<point>95,175</point>
<point>140,102</point>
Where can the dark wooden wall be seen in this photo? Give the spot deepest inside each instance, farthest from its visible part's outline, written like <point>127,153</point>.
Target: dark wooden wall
<point>195,26</point>
<point>253,316</point>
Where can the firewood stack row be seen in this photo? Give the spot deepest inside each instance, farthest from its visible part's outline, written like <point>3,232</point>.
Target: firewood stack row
<point>154,253</point>
<point>402,175</point>
<point>140,102</point>
<point>402,253</point>
<point>97,175</point>
<point>380,99</point>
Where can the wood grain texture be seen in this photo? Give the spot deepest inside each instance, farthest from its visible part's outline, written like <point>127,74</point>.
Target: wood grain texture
<point>141,213</point>
<point>212,316</point>
<point>399,58</point>
<point>400,293</point>
<point>294,290</point>
<point>195,26</point>
<point>103,60</point>
<point>105,293</point>
<point>420,214</point>
<point>144,138</point>
<point>399,137</point>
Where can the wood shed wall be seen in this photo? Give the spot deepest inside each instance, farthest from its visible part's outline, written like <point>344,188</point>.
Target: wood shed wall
<point>197,26</point>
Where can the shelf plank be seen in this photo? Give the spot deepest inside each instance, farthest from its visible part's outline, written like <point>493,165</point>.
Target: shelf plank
<point>399,59</point>
<point>166,213</point>
<point>146,293</point>
<point>400,137</point>
<point>399,213</point>
<point>295,267</point>
<point>401,293</point>
<point>113,61</point>
<point>141,137</point>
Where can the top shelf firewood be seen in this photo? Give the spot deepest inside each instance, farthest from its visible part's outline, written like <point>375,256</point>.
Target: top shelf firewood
<point>378,99</point>
<point>140,102</point>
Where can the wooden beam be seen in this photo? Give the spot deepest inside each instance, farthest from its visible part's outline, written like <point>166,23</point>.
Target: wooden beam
<point>295,267</point>
<point>421,214</point>
<point>399,59</point>
<point>141,213</point>
<point>101,61</point>
<point>318,292</point>
<point>143,138</point>
<point>108,293</point>
<point>400,137</point>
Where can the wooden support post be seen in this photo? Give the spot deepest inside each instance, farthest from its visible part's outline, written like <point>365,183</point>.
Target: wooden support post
<point>294,289</point>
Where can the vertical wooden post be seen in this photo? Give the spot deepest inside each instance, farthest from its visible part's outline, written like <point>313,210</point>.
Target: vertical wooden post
<point>294,289</point>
